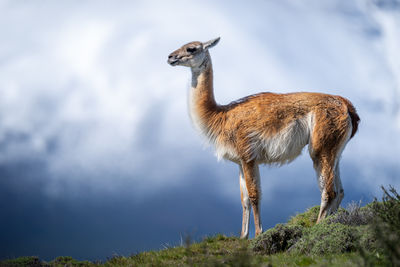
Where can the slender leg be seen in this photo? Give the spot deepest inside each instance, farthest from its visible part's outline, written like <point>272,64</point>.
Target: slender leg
<point>244,196</point>
<point>325,146</point>
<point>252,177</point>
<point>324,208</point>
<point>328,194</point>
<point>330,186</point>
<point>338,189</point>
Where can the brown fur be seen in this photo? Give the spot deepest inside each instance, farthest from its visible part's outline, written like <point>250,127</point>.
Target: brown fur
<point>265,115</point>
<point>268,113</point>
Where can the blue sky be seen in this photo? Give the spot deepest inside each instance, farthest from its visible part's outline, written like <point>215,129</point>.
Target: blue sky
<point>97,152</point>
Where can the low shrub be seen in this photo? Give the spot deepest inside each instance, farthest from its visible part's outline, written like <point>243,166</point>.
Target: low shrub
<point>67,261</point>
<point>347,230</point>
<point>354,215</point>
<point>305,219</point>
<point>327,238</point>
<point>277,239</point>
<point>23,261</point>
<point>367,239</point>
<point>386,225</point>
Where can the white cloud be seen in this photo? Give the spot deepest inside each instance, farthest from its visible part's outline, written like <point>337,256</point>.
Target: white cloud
<point>89,81</point>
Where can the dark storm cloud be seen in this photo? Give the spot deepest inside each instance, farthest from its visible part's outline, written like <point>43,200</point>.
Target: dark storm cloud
<point>92,225</point>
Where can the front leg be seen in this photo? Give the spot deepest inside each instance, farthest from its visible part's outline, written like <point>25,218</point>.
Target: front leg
<point>251,175</point>
<point>244,196</point>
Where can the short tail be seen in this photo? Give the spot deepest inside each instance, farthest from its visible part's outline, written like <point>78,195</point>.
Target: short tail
<point>355,119</point>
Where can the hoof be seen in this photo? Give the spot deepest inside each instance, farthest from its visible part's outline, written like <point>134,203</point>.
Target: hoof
<point>244,236</point>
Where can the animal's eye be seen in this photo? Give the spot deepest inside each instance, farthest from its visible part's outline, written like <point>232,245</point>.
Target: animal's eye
<point>191,49</point>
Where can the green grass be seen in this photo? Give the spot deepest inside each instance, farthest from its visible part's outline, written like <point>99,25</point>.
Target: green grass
<point>305,219</point>
<point>212,251</point>
<point>229,251</point>
<point>356,236</point>
<point>22,261</point>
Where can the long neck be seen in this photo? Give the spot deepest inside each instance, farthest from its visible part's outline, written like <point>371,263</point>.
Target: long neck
<point>202,84</point>
<point>203,107</point>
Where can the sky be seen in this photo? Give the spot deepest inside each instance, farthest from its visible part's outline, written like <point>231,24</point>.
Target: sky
<point>98,156</point>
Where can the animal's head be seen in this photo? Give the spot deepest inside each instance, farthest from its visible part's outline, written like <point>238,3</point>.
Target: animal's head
<point>192,54</point>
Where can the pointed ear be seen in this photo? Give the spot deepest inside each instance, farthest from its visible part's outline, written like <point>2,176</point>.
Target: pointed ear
<point>211,43</point>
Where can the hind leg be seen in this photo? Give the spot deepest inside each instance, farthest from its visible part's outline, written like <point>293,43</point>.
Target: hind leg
<point>330,134</point>
<point>325,168</point>
<point>338,189</point>
<point>331,195</point>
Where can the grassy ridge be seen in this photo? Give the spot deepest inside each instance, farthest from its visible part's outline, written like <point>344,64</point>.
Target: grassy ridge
<point>356,236</point>
<point>212,251</point>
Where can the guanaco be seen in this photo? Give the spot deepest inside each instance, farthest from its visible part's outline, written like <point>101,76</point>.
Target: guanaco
<point>269,128</point>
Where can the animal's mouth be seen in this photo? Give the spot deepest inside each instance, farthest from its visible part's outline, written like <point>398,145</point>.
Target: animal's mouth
<point>173,62</point>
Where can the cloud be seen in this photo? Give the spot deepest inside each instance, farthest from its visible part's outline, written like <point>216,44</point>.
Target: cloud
<point>86,88</point>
